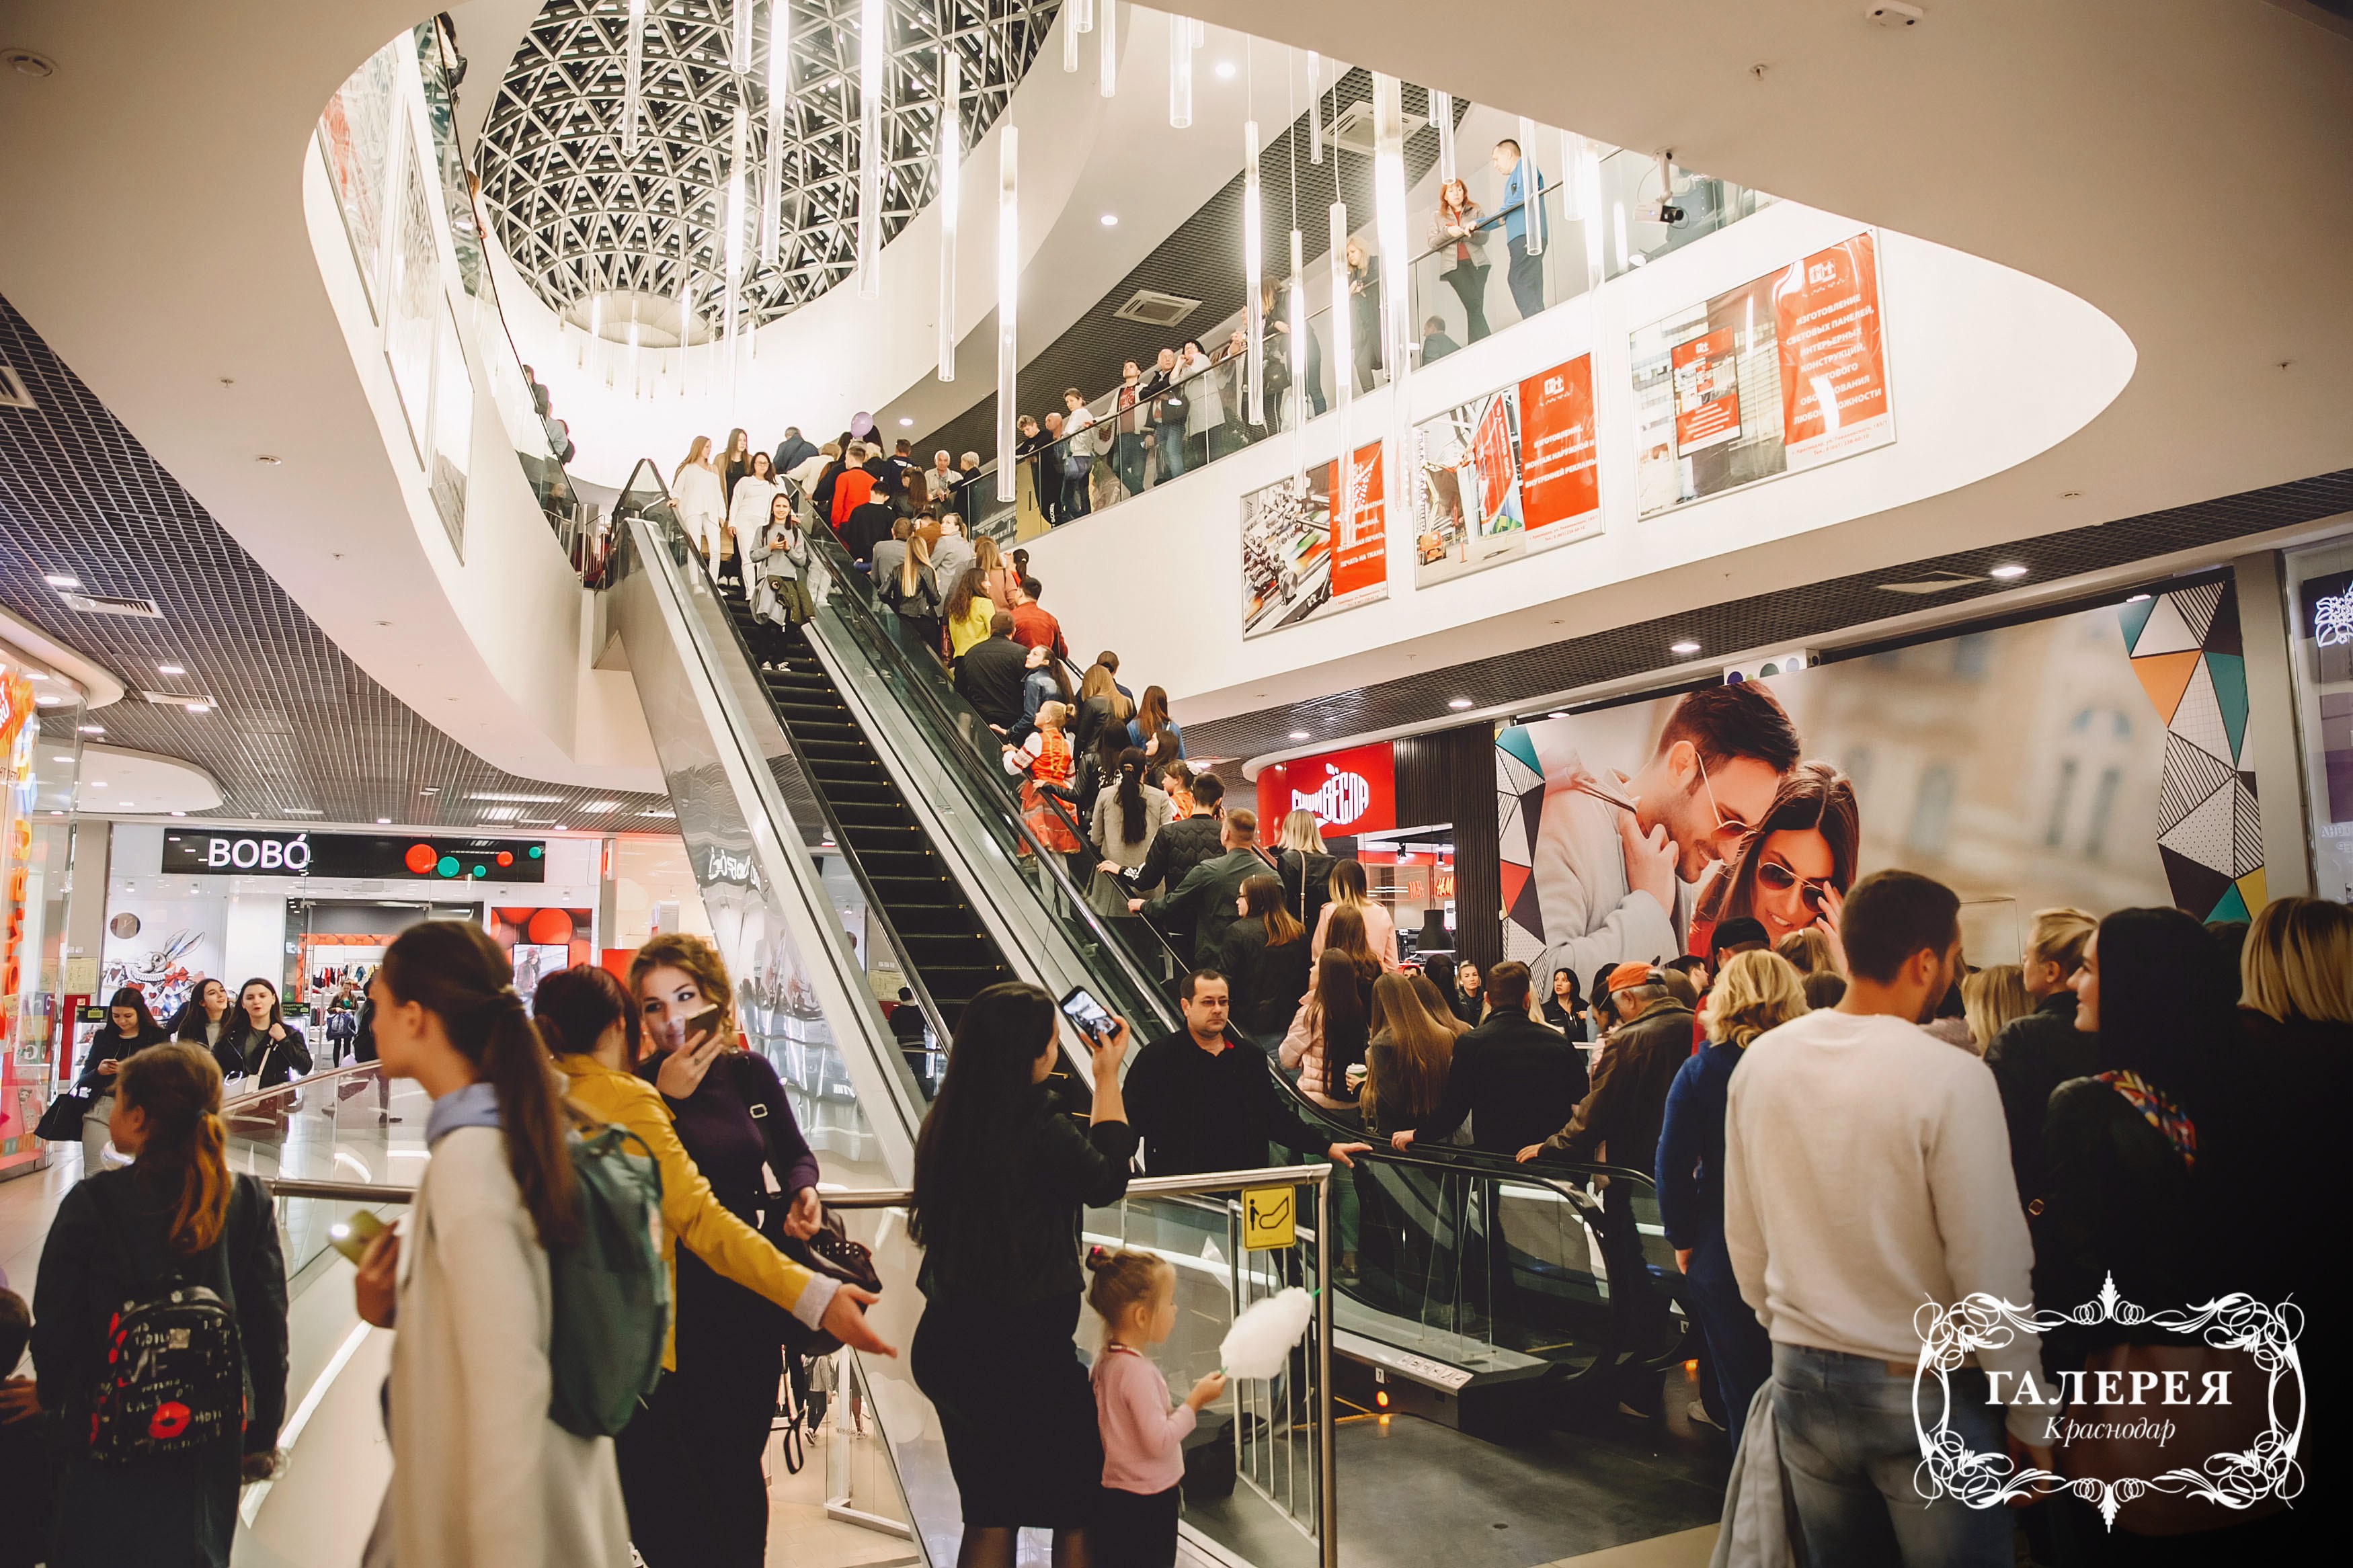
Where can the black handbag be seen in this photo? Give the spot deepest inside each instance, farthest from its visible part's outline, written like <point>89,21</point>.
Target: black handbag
<point>61,1123</point>
<point>828,1250</point>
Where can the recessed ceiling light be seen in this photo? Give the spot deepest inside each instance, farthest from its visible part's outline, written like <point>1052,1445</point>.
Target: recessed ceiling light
<point>2011,569</point>
<point>93,729</point>
<point>36,675</point>
<point>1557,714</point>
<point>179,813</point>
<point>98,783</point>
<point>130,806</point>
<point>1460,702</point>
<point>1296,734</point>
<point>431,789</point>
<point>602,806</point>
<point>1686,648</point>
<point>1111,220</point>
<point>903,420</point>
<point>383,822</point>
<point>55,581</point>
<point>519,799</point>
<point>169,670</point>
<point>46,700</point>
<point>2137,598</point>
<point>200,707</point>
<point>59,758</point>
<point>1225,71</point>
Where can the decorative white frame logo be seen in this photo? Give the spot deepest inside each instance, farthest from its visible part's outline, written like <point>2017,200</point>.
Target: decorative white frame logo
<point>2267,1468</point>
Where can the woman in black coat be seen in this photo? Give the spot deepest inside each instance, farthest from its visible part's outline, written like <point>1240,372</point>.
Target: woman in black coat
<point>257,1044</point>
<point>1264,958</point>
<point>129,1027</point>
<point>1305,870</point>
<point>1001,1176</point>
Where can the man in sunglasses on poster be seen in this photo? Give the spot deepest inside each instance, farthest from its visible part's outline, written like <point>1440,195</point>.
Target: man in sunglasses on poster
<point>1618,858</point>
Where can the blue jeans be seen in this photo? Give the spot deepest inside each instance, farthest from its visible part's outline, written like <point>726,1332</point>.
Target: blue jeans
<point>1847,1441</point>
<point>1738,1349</point>
<point>1526,276</point>
<point>1127,456</point>
<point>1168,441</point>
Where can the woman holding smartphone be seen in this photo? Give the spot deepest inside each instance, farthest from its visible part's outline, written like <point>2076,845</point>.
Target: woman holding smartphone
<point>129,1027</point>
<point>690,1461</point>
<point>1001,1175</point>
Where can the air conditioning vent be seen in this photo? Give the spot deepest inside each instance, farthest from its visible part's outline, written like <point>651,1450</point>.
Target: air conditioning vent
<point>102,605</point>
<point>1156,310</point>
<point>1353,127</point>
<point>12,388</point>
<point>200,700</point>
<point>1941,581</point>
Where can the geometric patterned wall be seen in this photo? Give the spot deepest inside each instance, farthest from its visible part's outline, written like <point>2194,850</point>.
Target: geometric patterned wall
<point>2186,649</point>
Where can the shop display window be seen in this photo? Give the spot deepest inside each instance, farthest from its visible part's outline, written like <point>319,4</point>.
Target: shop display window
<point>2320,640</point>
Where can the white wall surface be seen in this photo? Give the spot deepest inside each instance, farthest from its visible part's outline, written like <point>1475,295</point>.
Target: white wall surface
<point>1987,367</point>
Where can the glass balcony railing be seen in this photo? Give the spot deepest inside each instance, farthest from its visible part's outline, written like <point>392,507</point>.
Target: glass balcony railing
<point>1599,224</point>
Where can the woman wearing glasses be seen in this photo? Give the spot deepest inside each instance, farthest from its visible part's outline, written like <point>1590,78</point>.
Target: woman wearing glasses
<point>1793,871</point>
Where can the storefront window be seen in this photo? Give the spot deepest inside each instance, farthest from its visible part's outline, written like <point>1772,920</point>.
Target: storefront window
<point>2320,632</point>
<point>39,756</point>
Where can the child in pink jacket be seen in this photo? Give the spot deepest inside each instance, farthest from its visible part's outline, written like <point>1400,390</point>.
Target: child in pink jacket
<point>1135,1293</point>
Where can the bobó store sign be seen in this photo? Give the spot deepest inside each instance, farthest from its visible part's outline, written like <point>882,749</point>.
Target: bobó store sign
<point>1351,792</point>
<point>231,853</point>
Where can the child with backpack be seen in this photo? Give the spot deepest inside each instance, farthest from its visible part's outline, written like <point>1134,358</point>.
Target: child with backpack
<point>1135,1293</point>
<point>169,1266</point>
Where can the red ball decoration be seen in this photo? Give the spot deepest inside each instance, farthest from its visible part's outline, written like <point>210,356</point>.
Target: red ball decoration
<point>506,858</point>
<point>420,858</point>
<point>550,928</point>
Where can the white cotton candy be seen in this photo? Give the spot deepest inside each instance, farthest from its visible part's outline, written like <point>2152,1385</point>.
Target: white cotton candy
<point>1264,1334</point>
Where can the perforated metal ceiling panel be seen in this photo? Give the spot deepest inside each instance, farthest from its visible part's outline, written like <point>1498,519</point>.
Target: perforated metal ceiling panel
<point>1785,619</point>
<point>300,728</point>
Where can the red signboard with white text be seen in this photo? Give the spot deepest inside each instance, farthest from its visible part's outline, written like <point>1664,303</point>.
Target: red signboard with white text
<point>1560,475</point>
<point>1309,550</point>
<point>1833,361</point>
<point>1351,792</point>
<point>1360,547</point>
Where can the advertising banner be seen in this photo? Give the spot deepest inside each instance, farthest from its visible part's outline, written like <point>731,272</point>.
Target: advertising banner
<point>1301,561</point>
<point>239,852</point>
<point>1508,472</point>
<point>1350,790</point>
<point>1785,372</point>
<point>2024,767</point>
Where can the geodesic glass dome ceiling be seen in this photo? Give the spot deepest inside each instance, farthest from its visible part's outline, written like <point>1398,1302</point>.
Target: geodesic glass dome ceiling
<point>581,220</point>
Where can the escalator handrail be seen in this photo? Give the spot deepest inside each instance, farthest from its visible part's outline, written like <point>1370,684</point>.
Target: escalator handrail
<point>670,533</point>
<point>851,585</point>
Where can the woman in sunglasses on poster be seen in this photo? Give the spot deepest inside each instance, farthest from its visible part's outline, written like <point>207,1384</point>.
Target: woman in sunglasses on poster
<point>1794,870</point>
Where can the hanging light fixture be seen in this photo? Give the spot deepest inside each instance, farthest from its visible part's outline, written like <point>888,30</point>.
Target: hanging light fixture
<point>780,119</point>
<point>742,55</point>
<point>733,217</point>
<point>951,155</point>
<point>685,305</point>
<point>1314,107</point>
<point>1109,48</point>
<point>1298,328</point>
<point>1344,377</point>
<point>872,25</point>
<point>1008,289</point>
<point>1180,73</point>
<point>1389,221</point>
<point>1588,206</point>
<point>1441,115</point>
<point>1530,187</point>
<point>633,347</point>
<point>1253,268</point>
<point>1080,16</point>
<point>632,92</point>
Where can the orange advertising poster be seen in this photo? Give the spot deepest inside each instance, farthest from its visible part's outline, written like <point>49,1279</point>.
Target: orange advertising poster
<point>1833,361</point>
<point>1360,551</point>
<point>1560,477</point>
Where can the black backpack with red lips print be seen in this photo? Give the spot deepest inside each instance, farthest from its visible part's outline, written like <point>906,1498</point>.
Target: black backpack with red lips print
<point>174,1379</point>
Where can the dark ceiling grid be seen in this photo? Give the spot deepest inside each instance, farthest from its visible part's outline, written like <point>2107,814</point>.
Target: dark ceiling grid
<point>1789,618</point>
<point>1202,260</point>
<point>299,725</point>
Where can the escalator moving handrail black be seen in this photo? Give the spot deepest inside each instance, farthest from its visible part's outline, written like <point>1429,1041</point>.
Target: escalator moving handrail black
<point>852,588</point>
<point>669,532</point>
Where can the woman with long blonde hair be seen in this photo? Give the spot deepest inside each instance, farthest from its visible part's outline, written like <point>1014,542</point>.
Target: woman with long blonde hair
<point>909,593</point>
<point>700,501</point>
<point>1757,992</point>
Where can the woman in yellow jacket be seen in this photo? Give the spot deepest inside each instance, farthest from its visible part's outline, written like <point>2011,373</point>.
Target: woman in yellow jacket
<point>591,1028</point>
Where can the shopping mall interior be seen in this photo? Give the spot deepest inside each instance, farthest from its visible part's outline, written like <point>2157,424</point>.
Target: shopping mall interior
<point>554,466</point>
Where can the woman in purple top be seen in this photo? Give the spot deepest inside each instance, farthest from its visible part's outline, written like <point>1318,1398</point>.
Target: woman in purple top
<point>733,1118</point>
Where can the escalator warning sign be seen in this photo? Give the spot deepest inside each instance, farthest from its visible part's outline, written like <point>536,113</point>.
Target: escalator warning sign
<point>1270,1218</point>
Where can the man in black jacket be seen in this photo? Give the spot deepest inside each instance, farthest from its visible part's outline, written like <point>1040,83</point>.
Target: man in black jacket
<point>2034,1055</point>
<point>990,674</point>
<point>1198,1102</point>
<point>1209,891</point>
<point>1516,1080</point>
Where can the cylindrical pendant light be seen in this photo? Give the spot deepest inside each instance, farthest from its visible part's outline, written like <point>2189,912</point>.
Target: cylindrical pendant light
<point>872,37</point>
<point>1009,289</point>
<point>780,123</point>
<point>1296,338</point>
<point>1180,73</point>
<point>632,93</point>
<point>1314,107</point>
<point>1078,17</point>
<point>951,162</point>
<point>1109,48</point>
<point>1253,270</point>
<point>1588,207</point>
<point>1441,115</point>
<point>1531,183</point>
<point>735,218</point>
<point>1389,221</point>
<point>742,59</point>
<point>1343,379</point>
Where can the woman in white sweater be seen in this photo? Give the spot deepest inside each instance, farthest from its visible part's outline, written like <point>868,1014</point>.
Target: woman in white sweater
<point>700,501</point>
<point>481,1477</point>
<point>747,509</point>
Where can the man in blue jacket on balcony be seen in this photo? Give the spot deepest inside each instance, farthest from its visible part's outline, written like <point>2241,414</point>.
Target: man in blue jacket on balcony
<point>1523,190</point>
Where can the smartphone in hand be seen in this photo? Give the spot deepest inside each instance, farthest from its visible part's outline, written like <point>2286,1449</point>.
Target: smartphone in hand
<point>354,1236</point>
<point>703,1023</point>
<point>1089,1017</point>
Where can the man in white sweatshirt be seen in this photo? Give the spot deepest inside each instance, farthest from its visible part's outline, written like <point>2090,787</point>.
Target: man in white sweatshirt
<point>1867,1174</point>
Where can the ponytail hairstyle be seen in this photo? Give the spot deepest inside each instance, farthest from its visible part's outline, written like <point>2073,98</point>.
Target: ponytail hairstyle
<point>1123,1281</point>
<point>1131,794</point>
<point>177,1088</point>
<point>1263,897</point>
<point>575,1006</point>
<point>454,972</point>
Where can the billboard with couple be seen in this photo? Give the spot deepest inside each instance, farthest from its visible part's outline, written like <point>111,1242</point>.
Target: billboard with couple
<point>2065,761</point>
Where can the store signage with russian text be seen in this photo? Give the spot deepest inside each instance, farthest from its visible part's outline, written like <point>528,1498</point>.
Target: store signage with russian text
<point>1349,792</point>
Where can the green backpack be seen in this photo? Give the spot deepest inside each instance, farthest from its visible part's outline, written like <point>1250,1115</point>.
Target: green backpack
<point>611,1287</point>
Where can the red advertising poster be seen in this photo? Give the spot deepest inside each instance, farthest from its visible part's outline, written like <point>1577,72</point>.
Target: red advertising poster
<point>1826,318</point>
<point>1350,792</point>
<point>1560,478</point>
<point>1492,447</point>
<point>1360,557</point>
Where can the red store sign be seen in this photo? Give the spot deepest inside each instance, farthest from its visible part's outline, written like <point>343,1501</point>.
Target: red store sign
<point>1350,792</point>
